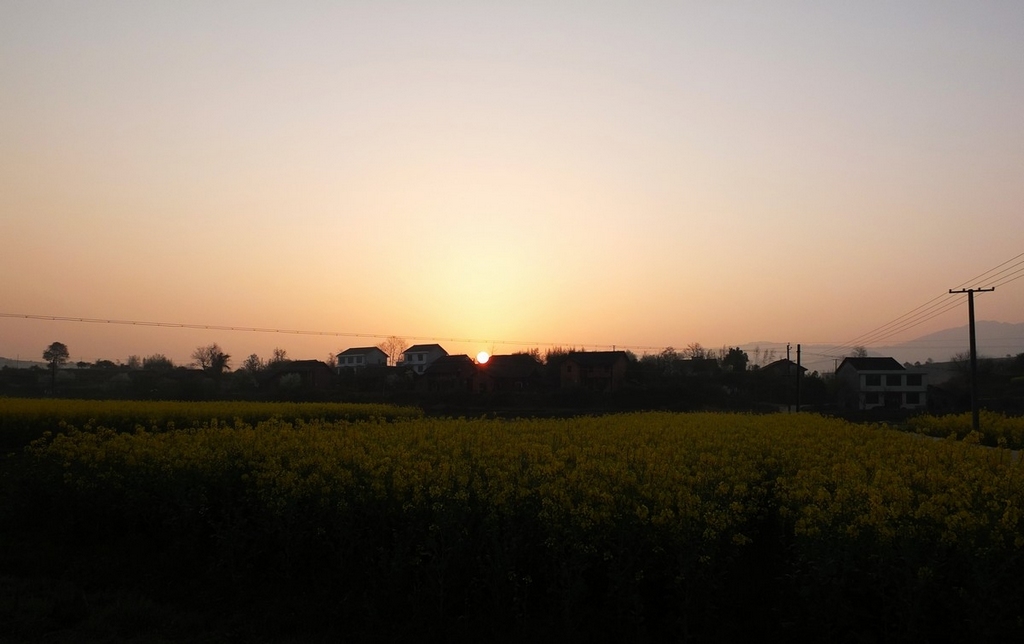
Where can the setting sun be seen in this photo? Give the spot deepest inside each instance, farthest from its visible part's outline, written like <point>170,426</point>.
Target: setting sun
<point>483,357</point>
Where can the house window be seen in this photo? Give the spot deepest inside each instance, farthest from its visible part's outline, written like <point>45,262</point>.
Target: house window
<point>914,380</point>
<point>913,398</point>
<point>874,380</point>
<point>871,399</point>
<point>359,359</point>
<point>893,380</point>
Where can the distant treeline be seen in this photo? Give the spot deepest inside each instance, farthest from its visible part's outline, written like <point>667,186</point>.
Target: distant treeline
<point>692,379</point>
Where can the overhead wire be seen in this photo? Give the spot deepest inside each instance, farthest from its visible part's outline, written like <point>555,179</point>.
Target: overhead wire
<point>1006,279</point>
<point>975,280</point>
<point>347,334</point>
<point>1011,270</point>
<point>939,305</point>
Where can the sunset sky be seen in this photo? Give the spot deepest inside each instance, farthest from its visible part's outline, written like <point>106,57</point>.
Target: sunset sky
<point>584,174</point>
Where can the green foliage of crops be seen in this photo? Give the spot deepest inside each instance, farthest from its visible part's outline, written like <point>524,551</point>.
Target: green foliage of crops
<point>25,419</point>
<point>995,429</point>
<point>641,526</point>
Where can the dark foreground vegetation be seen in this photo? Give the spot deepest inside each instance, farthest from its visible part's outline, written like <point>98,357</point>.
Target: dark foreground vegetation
<point>638,527</point>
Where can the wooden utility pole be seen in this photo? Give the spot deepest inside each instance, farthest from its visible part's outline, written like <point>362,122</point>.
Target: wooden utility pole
<point>789,390</point>
<point>798,377</point>
<point>974,350</point>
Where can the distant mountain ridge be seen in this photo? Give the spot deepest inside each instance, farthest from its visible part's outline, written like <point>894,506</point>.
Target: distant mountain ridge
<point>20,364</point>
<point>994,340</point>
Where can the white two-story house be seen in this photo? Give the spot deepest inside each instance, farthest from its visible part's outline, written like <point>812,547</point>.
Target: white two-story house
<point>359,357</point>
<point>420,356</point>
<point>869,383</point>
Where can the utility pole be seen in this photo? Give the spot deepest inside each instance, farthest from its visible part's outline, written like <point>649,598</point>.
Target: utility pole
<point>789,394</point>
<point>974,350</point>
<point>798,376</point>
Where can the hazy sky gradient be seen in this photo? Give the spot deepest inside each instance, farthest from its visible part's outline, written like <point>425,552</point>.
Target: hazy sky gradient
<point>584,173</point>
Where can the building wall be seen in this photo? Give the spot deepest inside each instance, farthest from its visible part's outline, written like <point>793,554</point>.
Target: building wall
<point>605,377</point>
<point>370,358</point>
<point>420,360</point>
<point>864,390</point>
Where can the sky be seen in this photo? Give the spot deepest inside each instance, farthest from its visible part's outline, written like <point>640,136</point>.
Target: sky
<point>493,176</point>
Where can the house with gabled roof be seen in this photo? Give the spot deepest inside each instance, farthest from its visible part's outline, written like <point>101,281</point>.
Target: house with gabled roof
<point>309,374</point>
<point>449,374</point>
<point>516,372</point>
<point>420,356</point>
<point>602,371</point>
<point>359,357</point>
<point>871,383</point>
<point>783,368</point>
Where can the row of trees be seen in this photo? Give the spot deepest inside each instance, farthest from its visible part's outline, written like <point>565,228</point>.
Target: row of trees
<point>209,358</point>
<point>213,360</point>
<point>690,377</point>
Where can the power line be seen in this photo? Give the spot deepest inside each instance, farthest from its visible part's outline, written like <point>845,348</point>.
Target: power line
<point>900,324</point>
<point>914,322</point>
<point>976,279</point>
<point>345,334</point>
<point>933,308</point>
<point>1012,269</point>
<point>1012,277</point>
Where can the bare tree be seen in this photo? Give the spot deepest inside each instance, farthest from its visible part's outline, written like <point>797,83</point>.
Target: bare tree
<point>211,359</point>
<point>695,351</point>
<point>859,352</point>
<point>394,346</point>
<point>280,355</point>
<point>533,353</point>
<point>201,356</point>
<point>762,357</point>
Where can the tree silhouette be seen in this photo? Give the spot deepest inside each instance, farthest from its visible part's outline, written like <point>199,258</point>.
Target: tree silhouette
<point>211,359</point>
<point>253,364</point>
<point>57,355</point>
<point>157,362</point>
<point>736,359</point>
<point>694,351</point>
<point>394,346</point>
<point>280,355</point>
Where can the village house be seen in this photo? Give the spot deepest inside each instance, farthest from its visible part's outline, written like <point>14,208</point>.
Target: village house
<point>601,371</point>
<point>420,356</point>
<point>870,383</point>
<point>359,357</point>
<point>516,372</point>
<point>783,368</point>
<point>307,374</point>
<point>449,374</point>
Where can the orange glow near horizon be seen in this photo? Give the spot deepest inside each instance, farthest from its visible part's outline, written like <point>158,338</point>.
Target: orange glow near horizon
<point>510,176</point>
